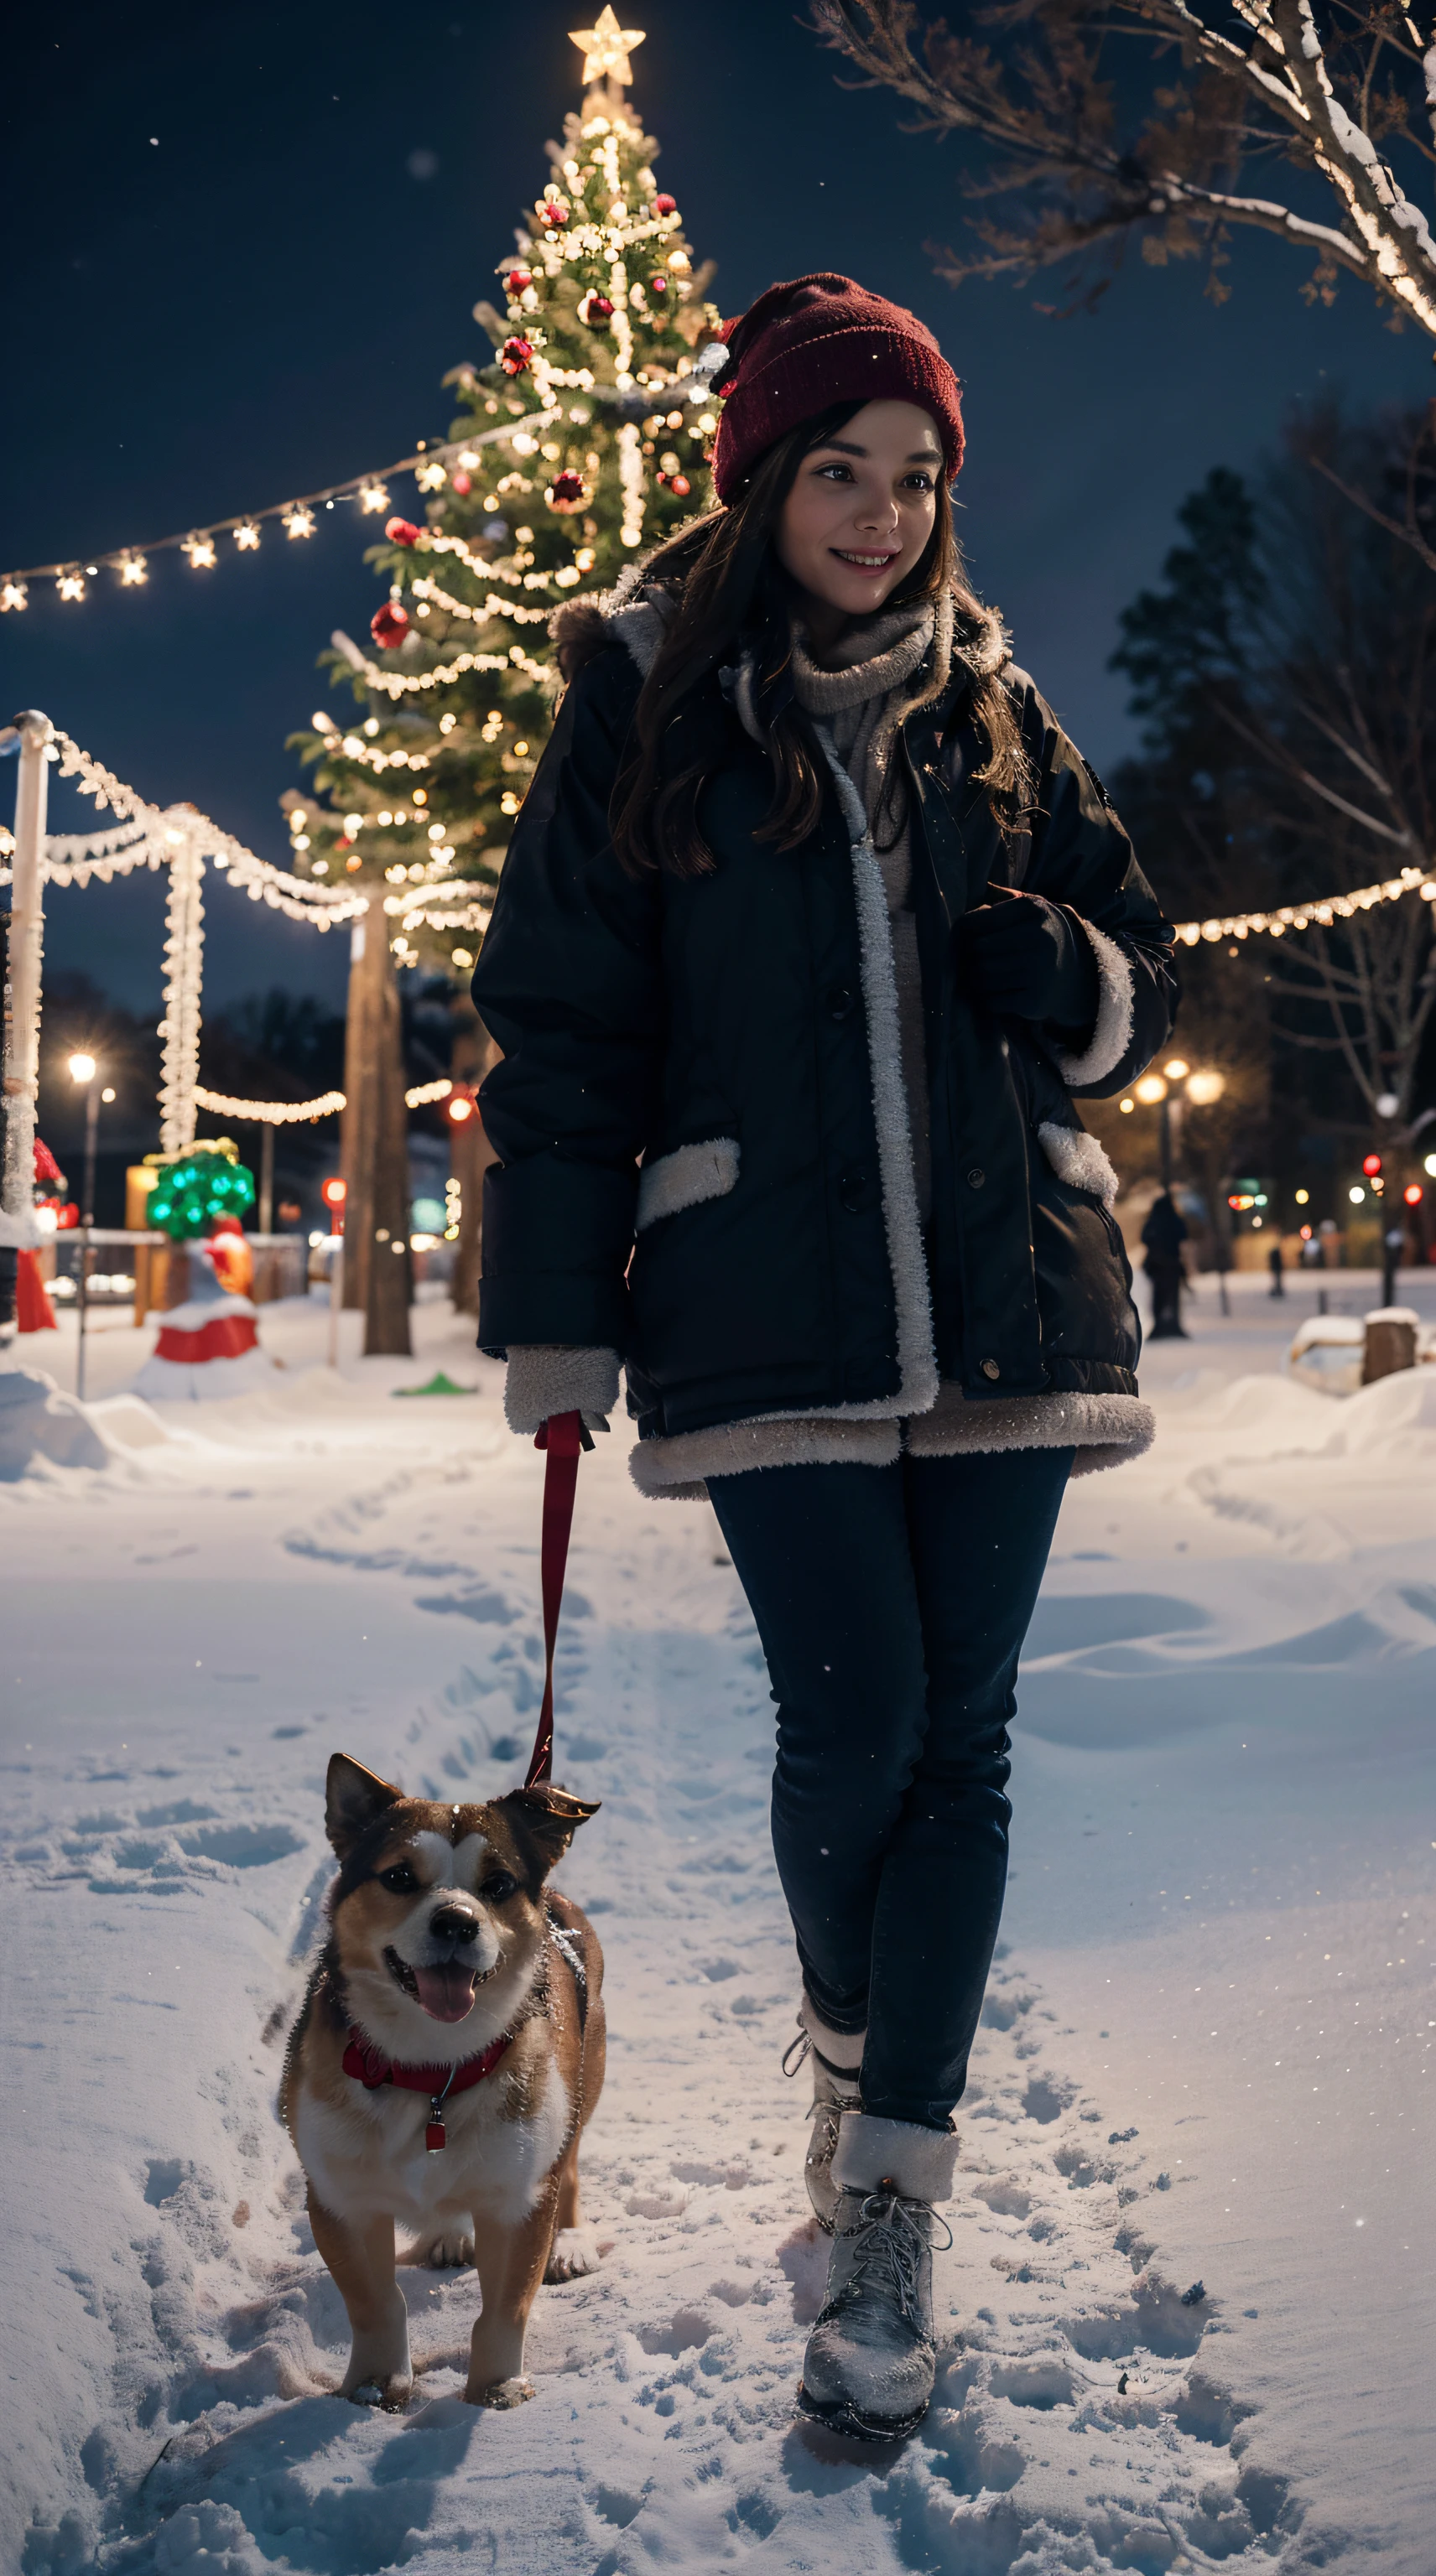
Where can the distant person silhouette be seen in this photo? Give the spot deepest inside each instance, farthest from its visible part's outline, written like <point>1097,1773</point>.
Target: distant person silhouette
<point>1164,1235</point>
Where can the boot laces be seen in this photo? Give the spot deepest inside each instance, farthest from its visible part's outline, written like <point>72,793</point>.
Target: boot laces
<point>893,2242</point>
<point>798,2049</point>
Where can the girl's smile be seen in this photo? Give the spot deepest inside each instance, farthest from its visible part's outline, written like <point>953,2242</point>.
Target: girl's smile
<point>860,515</point>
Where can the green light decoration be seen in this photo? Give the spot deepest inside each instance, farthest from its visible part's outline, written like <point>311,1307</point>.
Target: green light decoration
<point>197,1189</point>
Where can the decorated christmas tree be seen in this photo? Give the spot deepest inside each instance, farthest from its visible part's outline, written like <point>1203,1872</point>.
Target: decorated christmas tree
<point>583,445</point>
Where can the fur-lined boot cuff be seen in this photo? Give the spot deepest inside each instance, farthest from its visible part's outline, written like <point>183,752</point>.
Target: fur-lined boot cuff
<point>842,2049</point>
<point>920,2163</point>
<point>545,1378</point>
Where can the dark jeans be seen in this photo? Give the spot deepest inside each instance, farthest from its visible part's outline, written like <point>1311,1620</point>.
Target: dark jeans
<point>892,1603</point>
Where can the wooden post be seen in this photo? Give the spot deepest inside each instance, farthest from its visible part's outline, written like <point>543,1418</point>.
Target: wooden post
<point>388,1290</point>
<point>1390,1342</point>
<point>367,949</point>
<point>470,1154</point>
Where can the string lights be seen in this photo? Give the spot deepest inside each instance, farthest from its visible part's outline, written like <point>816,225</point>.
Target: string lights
<point>294,1113</point>
<point>1331,909</point>
<point>403,684</point>
<point>430,466</point>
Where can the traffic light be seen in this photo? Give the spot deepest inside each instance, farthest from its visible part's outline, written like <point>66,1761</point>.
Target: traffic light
<point>1413,1194</point>
<point>1371,1165</point>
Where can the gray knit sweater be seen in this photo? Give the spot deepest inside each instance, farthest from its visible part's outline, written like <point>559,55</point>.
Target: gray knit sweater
<point>860,693</point>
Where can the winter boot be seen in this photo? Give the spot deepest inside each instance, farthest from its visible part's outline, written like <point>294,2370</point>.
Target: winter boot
<point>836,2057</point>
<point>869,2367</point>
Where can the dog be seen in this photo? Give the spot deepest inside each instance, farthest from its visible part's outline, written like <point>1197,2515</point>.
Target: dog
<point>449,2052</point>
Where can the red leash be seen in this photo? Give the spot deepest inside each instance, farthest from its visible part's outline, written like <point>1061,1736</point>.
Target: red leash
<point>562,1436</point>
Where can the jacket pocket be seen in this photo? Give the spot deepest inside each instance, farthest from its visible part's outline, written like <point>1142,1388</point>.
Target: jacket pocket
<point>685,1178</point>
<point>1079,1160</point>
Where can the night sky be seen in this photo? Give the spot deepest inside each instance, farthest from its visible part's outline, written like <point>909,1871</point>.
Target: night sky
<point>263,298</point>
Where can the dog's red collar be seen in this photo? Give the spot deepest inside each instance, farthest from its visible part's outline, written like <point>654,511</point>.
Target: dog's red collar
<point>372,2069</point>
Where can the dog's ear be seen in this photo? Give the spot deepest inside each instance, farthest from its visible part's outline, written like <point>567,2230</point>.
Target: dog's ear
<point>544,1821</point>
<point>353,1797</point>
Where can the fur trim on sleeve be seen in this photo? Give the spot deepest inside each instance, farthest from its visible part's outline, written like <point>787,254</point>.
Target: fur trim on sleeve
<point>1112,1032</point>
<point>545,1378</point>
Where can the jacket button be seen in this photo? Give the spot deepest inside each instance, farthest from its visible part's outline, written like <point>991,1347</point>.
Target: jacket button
<point>991,1369</point>
<point>976,1177</point>
<point>850,1190</point>
<point>840,1001</point>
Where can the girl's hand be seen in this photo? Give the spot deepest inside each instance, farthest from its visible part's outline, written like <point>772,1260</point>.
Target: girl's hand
<point>1019,953</point>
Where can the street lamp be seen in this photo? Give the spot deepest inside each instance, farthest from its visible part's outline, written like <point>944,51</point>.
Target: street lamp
<point>1205,1088</point>
<point>83,1070</point>
<point>334,1193</point>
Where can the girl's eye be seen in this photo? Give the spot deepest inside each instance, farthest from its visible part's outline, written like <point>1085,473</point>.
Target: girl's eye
<point>842,473</point>
<point>920,482</point>
<point>495,1889</point>
<point>399,1880</point>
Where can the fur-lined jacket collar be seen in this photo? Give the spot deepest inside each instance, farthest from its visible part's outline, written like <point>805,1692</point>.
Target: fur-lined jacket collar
<point>635,613</point>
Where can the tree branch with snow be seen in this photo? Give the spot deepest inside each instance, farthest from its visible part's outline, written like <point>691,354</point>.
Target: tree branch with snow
<point>1208,98</point>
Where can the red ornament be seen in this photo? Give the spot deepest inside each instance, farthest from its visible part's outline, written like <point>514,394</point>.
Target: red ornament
<point>658,286</point>
<point>518,279</point>
<point>553,213</point>
<point>665,205</point>
<point>389,625</point>
<point>462,483</point>
<point>567,491</point>
<point>596,308</point>
<point>515,355</point>
<point>402,532</point>
<point>680,484</point>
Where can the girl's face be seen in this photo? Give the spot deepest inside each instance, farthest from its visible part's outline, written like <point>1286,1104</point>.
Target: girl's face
<point>860,512</point>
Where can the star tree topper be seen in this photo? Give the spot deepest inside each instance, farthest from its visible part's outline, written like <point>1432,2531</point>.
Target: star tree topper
<point>606,48</point>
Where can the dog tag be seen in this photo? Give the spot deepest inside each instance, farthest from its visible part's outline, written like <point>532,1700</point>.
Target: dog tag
<point>435,2136</point>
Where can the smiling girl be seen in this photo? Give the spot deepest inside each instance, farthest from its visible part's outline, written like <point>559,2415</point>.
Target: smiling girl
<point>812,928</point>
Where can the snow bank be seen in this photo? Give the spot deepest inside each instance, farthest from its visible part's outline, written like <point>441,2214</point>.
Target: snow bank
<point>1189,2163</point>
<point>38,1424</point>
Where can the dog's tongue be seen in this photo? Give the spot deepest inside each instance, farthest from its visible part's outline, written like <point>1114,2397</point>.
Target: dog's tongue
<point>446,1993</point>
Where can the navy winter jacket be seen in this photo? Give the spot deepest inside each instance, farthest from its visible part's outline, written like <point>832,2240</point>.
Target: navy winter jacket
<point>735,1035</point>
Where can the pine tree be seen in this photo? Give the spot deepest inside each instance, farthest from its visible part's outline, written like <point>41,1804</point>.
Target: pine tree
<point>578,449</point>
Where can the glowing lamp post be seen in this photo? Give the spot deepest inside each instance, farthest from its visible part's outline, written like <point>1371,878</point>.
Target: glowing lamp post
<point>334,1194</point>
<point>1168,1090</point>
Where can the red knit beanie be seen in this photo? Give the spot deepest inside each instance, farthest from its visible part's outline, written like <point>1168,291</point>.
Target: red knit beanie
<point>817,341</point>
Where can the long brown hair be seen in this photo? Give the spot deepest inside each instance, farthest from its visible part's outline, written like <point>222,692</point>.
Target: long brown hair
<point>731,598</point>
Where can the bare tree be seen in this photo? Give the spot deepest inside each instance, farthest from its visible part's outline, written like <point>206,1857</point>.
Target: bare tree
<point>1287,671</point>
<point>1103,120</point>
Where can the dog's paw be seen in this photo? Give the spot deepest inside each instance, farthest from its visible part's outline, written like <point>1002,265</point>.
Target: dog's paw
<point>446,2253</point>
<point>504,2392</point>
<point>391,2394</point>
<point>575,2251</point>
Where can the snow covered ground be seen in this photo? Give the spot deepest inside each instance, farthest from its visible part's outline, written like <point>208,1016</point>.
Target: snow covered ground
<point>1203,2058</point>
